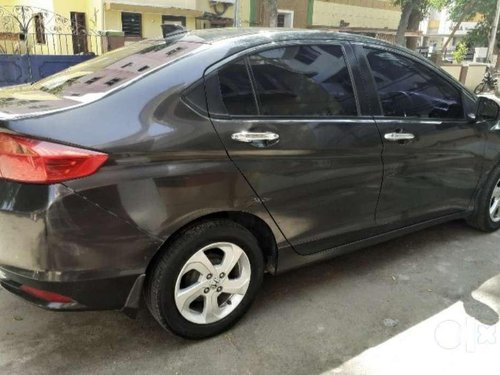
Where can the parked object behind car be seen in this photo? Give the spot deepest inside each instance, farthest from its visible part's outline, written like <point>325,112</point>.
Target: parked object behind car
<point>185,168</point>
<point>489,83</point>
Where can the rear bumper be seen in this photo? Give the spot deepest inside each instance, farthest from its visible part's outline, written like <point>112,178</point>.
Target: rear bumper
<point>101,294</point>
<point>56,241</point>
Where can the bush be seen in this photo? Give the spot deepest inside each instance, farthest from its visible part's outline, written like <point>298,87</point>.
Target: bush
<point>460,52</point>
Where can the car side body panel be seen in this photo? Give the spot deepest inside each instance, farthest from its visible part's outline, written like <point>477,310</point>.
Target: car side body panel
<point>168,166</point>
<point>166,169</point>
<point>437,172</point>
<point>327,169</point>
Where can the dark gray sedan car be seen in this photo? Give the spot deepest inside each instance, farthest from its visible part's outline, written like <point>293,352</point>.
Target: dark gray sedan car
<point>185,168</point>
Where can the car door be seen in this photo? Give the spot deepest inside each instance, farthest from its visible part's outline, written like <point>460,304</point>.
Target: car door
<point>289,119</point>
<point>432,153</point>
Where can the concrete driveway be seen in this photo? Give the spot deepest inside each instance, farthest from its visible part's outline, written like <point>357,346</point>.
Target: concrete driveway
<point>427,303</point>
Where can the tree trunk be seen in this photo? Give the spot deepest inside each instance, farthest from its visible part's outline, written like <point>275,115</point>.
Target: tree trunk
<point>270,13</point>
<point>413,24</point>
<point>453,32</point>
<point>406,12</point>
<point>465,13</point>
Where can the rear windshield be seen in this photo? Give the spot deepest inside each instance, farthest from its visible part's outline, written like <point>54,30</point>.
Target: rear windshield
<point>99,75</point>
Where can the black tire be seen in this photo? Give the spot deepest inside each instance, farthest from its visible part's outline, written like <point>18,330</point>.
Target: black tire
<point>161,279</point>
<point>479,88</point>
<point>481,218</point>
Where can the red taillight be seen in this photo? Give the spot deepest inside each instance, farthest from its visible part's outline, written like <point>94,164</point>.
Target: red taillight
<point>28,160</point>
<point>45,295</point>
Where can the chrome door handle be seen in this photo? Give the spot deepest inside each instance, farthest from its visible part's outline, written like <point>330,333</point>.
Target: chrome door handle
<point>394,137</point>
<point>249,137</point>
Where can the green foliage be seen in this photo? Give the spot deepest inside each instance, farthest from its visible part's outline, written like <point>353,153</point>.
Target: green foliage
<point>423,6</point>
<point>438,4</point>
<point>460,52</point>
<point>472,7</point>
<point>478,37</point>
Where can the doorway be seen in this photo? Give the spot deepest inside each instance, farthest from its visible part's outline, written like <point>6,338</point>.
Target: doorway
<point>79,28</point>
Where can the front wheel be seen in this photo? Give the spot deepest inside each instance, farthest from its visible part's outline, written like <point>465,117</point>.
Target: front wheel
<point>486,215</point>
<point>205,280</point>
<point>479,88</point>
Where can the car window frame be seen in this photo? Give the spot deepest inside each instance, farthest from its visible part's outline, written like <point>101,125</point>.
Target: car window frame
<point>415,60</point>
<point>344,45</point>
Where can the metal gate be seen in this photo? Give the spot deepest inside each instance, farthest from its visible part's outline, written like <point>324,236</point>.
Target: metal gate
<point>35,43</point>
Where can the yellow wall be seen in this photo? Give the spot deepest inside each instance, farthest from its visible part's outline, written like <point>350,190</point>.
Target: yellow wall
<point>327,13</point>
<point>60,41</point>
<point>101,16</point>
<point>434,24</point>
<point>93,18</point>
<point>151,25</point>
<point>245,13</point>
<point>8,3</point>
<point>92,9</point>
<point>204,6</point>
<point>150,22</point>
<point>112,20</point>
<point>191,23</point>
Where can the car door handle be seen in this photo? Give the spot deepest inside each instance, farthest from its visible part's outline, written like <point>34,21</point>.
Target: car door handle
<point>249,137</point>
<point>395,137</point>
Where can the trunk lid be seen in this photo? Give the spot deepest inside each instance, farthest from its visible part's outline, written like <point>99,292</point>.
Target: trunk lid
<point>27,100</point>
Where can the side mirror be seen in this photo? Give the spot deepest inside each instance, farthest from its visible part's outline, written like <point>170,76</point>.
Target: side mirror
<point>487,109</point>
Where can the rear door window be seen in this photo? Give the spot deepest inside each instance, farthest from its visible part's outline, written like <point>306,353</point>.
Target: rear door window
<point>236,89</point>
<point>305,80</point>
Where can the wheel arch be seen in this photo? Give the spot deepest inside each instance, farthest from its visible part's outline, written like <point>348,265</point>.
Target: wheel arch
<point>257,226</point>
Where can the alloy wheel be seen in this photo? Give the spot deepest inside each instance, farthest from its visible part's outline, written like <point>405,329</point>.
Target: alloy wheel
<point>212,283</point>
<point>495,203</point>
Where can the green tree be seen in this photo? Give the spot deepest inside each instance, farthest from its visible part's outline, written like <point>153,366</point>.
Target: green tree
<point>460,52</point>
<point>479,36</point>
<point>412,12</point>
<point>465,10</point>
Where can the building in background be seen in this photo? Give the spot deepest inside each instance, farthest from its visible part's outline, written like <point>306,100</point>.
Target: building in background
<point>55,27</point>
<point>57,24</point>
<point>143,19</point>
<point>376,18</point>
<point>437,28</point>
<point>139,19</point>
<point>291,13</point>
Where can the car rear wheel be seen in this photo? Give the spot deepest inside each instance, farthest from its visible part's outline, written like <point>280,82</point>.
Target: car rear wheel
<point>486,216</point>
<point>206,279</point>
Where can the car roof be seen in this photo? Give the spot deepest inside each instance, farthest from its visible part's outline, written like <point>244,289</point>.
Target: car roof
<point>247,37</point>
<point>213,36</point>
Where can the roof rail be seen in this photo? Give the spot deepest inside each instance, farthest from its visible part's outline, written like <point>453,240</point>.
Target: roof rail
<point>170,30</point>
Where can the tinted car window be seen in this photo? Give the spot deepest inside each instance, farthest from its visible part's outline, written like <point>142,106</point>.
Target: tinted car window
<point>236,89</point>
<point>410,89</point>
<point>303,81</point>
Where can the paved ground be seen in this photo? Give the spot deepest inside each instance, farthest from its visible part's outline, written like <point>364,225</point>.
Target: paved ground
<point>423,304</point>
